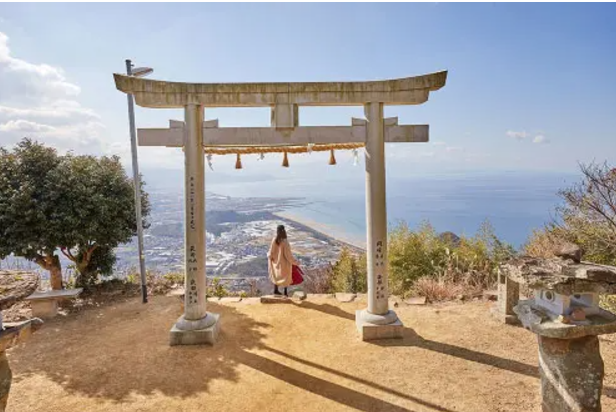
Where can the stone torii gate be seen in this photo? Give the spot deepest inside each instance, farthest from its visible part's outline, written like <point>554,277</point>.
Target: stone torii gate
<point>197,325</point>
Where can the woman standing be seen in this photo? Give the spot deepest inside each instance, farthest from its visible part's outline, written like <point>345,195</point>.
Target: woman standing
<point>281,261</point>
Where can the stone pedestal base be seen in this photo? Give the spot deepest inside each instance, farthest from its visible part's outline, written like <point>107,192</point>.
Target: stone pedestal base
<point>571,374</point>
<point>203,331</point>
<point>503,317</point>
<point>374,327</point>
<point>44,309</point>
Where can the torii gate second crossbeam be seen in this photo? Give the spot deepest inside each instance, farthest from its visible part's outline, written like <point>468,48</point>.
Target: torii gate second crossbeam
<point>197,325</point>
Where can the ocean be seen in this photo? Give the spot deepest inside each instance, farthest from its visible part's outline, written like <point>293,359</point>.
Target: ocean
<point>514,203</point>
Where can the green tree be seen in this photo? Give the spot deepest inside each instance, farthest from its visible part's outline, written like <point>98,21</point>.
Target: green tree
<point>75,204</point>
<point>349,273</point>
<point>101,263</point>
<point>100,197</point>
<point>31,217</point>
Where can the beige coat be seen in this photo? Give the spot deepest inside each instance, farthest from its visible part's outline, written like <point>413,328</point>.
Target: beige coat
<point>281,263</point>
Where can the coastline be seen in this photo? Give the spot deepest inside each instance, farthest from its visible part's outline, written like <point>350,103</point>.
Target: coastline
<point>323,229</point>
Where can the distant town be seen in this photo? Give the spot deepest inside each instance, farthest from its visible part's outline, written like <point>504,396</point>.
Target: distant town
<point>238,236</point>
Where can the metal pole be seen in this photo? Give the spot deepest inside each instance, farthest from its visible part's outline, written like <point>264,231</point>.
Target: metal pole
<point>137,183</point>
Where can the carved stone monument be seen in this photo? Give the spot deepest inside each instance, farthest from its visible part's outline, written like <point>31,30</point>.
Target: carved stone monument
<point>508,297</point>
<point>566,317</point>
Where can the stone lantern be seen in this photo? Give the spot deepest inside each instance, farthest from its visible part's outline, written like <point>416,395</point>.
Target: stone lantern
<point>566,317</point>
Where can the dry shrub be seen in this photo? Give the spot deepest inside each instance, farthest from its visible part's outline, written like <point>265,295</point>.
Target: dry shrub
<point>318,279</point>
<point>157,283</point>
<point>350,273</point>
<point>438,289</point>
<point>544,243</point>
<point>469,262</point>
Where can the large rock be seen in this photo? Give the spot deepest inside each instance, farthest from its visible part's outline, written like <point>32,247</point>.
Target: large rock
<point>571,251</point>
<point>571,374</point>
<point>300,295</point>
<point>15,285</point>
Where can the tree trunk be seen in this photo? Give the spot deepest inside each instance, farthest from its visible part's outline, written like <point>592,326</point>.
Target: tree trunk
<point>83,279</point>
<point>55,272</point>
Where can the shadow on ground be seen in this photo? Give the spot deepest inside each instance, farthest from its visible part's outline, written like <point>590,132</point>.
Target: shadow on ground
<point>360,380</point>
<point>125,352</point>
<point>411,338</point>
<point>131,353</point>
<point>122,350</point>
<point>330,390</point>
<point>326,308</point>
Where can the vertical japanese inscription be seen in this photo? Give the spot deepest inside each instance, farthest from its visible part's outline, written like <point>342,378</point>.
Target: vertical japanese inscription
<point>192,203</point>
<point>192,263</point>
<point>379,265</point>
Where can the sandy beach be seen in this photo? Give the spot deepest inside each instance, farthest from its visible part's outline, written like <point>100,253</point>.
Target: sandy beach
<point>325,230</point>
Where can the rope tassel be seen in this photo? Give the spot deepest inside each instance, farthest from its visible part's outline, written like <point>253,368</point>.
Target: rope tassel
<point>332,158</point>
<point>285,160</point>
<point>238,161</point>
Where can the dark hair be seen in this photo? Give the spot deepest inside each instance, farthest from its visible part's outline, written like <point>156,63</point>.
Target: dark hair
<point>281,234</point>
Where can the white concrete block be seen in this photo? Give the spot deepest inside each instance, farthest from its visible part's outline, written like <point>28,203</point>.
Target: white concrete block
<point>368,331</point>
<point>196,337</point>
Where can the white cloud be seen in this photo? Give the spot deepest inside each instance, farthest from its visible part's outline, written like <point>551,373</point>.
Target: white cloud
<point>25,126</point>
<point>441,143</point>
<point>453,149</point>
<point>541,139</point>
<point>521,135</point>
<point>55,111</point>
<point>33,81</point>
<point>38,101</point>
<point>539,136</point>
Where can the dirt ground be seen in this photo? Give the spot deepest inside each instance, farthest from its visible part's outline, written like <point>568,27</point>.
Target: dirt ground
<point>302,356</point>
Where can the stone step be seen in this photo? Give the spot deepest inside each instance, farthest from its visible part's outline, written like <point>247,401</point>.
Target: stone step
<point>417,300</point>
<point>275,299</point>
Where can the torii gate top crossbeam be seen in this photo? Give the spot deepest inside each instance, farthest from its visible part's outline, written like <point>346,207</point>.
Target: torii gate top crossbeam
<point>162,94</point>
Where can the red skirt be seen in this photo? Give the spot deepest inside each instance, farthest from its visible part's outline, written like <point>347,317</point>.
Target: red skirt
<point>297,275</point>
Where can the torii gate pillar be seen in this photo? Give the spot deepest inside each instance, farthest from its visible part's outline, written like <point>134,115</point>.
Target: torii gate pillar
<point>377,321</point>
<point>196,325</point>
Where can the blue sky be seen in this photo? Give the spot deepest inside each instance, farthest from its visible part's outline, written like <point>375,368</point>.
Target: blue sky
<point>531,87</point>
